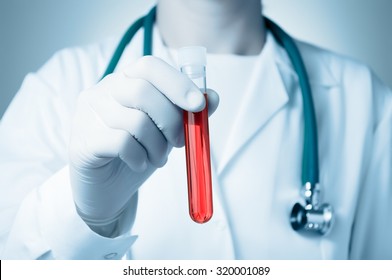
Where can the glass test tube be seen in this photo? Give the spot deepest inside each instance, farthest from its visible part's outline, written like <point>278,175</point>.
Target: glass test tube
<point>192,62</point>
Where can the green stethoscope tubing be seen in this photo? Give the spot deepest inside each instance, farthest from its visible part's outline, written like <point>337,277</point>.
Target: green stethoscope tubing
<point>310,167</point>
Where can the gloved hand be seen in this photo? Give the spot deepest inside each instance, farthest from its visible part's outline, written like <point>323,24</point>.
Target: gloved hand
<point>123,130</point>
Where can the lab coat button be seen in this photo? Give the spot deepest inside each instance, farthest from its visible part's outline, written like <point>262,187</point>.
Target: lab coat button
<point>110,256</point>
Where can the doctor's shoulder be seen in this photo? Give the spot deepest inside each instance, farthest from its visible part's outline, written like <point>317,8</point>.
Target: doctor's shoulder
<point>73,69</point>
<point>328,67</point>
<point>352,80</point>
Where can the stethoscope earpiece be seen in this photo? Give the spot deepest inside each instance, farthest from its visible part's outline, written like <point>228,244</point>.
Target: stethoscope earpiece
<point>313,218</point>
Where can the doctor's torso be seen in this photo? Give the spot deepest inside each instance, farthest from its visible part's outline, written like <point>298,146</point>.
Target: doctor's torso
<point>256,167</point>
<point>257,144</point>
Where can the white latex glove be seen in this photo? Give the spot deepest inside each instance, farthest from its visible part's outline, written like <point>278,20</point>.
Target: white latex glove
<point>123,129</point>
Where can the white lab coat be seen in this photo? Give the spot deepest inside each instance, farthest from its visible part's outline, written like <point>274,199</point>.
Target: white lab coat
<point>260,173</point>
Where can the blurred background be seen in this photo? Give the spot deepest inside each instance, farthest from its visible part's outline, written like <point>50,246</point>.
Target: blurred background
<point>31,31</point>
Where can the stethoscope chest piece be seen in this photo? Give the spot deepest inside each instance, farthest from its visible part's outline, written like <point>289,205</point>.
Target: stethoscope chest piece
<point>314,217</point>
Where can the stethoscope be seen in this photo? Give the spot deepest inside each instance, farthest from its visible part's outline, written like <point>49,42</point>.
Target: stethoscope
<point>314,216</point>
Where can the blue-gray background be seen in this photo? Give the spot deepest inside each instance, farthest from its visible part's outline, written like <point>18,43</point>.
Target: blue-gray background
<point>32,30</point>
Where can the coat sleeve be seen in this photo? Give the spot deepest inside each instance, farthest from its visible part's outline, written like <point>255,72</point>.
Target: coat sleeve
<point>372,229</point>
<point>37,214</point>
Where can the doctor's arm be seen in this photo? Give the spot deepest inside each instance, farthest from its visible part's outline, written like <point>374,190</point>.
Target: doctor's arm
<point>51,201</point>
<point>372,229</point>
<point>37,213</point>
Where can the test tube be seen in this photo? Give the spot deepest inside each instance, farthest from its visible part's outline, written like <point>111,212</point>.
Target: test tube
<point>192,62</point>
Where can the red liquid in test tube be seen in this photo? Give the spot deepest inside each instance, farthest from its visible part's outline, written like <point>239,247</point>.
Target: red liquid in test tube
<point>197,146</point>
<point>192,61</point>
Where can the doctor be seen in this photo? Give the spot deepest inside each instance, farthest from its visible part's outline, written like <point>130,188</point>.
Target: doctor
<point>95,170</point>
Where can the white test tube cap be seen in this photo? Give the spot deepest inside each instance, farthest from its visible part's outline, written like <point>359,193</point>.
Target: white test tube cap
<point>193,55</point>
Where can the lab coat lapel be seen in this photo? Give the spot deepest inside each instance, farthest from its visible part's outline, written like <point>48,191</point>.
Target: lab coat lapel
<point>271,81</point>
